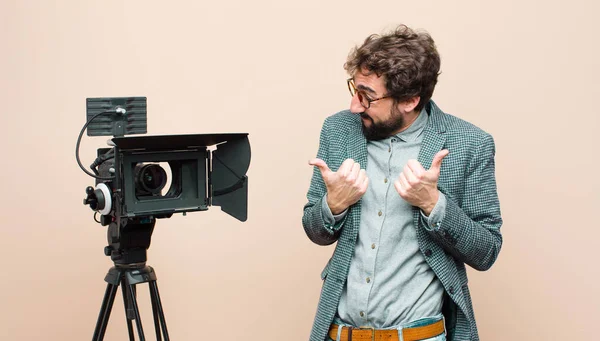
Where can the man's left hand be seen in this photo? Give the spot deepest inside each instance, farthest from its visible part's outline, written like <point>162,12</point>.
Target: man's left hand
<point>419,186</point>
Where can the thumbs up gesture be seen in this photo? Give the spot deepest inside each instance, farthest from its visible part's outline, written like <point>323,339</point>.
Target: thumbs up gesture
<point>419,186</point>
<point>344,187</point>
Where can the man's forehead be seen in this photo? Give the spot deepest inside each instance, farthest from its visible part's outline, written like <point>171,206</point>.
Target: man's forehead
<point>369,81</point>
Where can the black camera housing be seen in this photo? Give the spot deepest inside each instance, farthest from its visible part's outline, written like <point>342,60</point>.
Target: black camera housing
<point>200,177</point>
<point>206,170</point>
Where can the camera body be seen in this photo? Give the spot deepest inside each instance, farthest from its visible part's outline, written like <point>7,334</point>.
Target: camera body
<point>199,177</point>
<point>143,178</point>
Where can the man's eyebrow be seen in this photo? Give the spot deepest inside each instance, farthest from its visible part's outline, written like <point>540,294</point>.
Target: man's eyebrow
<point>366,88</point>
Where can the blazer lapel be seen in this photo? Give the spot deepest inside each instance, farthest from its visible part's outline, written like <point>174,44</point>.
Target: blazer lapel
<point>357,146</point>
<point>357,151</point>
<point>434,140</point>
<point>433,136</point>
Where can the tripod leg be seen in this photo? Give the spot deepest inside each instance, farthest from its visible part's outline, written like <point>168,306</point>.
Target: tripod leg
<point>155,314</point>
<point>107,303</point>
<point>138,320</point>
<point>129,315</point>
<point>155,297</point>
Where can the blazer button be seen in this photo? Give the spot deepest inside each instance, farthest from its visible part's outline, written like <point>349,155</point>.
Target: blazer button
<point>451,290</point>
<point>428,253</point>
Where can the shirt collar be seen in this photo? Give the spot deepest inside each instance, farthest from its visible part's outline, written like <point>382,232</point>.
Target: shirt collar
<point>415,129</point>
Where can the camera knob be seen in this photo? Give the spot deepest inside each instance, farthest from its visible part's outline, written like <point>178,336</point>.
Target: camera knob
<point>107,250</point>
<point>99,199</point>
<point>91,199</point>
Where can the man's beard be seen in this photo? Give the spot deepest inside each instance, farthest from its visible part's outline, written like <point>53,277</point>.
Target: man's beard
<point>382,130</point>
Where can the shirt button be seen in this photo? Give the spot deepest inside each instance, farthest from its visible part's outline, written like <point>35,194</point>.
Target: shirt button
<point>389,149</point>
<point>373,246</point>
<point>379,213</point>
<point>362,314</point>
<point>368,279</point>
<point>385,181</point>
<point>393,140</point>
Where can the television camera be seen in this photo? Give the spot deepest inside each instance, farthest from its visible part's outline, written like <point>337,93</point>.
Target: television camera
<point>145,178</point>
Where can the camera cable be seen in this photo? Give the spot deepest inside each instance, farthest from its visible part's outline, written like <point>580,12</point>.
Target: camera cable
<point>79,141</point>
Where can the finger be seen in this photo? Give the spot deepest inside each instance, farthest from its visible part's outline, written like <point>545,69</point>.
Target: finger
<point>345,167</point>
<point>404,182</point>
<point>321,165</point>
<point>362,174</point>
<point>365,184</point>
<point>407,173</point>
<point>416,167</point>
<point>353,174</point>
<point>399,188</point>
<point>436,164</point>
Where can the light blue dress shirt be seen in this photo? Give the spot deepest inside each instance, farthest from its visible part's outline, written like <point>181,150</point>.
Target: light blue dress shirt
<point>389,282</point>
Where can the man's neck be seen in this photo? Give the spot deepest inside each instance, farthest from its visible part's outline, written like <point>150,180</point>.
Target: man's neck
<point>409,119</point>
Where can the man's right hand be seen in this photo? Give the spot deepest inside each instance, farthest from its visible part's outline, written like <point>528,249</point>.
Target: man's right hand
<point>344,187</point>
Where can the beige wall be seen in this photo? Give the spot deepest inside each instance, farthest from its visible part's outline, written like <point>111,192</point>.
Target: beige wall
<point>525,71</point>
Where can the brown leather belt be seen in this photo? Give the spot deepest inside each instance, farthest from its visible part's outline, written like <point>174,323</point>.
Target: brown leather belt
<point>368,334</point>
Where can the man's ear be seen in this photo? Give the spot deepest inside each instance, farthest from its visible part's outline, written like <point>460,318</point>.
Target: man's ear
<point>409,104</point>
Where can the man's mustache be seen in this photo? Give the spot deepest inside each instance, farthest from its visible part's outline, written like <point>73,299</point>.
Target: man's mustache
<point>364,115</point>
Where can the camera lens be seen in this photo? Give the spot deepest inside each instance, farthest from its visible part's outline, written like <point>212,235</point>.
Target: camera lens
<point>149,179</point>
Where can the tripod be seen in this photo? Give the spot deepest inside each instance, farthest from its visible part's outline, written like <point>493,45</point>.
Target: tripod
<point>128,276</point>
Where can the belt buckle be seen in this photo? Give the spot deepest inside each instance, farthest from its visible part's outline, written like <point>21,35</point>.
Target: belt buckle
<point>372,331</point>
<point>444,320</point>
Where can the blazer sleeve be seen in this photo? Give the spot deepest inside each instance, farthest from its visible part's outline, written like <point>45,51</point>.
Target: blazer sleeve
<point>471,232</point>
<point>320,230</point>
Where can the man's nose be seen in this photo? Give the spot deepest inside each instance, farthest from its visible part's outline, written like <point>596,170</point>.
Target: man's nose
<point>355,106</point>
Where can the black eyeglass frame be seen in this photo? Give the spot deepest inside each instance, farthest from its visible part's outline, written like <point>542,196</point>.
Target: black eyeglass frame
<point>362,97</point>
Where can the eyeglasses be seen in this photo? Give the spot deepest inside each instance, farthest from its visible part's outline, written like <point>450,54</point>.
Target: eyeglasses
<point>365,101</point>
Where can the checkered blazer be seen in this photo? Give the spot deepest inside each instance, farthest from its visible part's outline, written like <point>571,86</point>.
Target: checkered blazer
<point>469,233</point>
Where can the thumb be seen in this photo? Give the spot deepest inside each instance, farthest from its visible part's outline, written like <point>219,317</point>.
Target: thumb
<point>321,165</point>
<point>436,164</point>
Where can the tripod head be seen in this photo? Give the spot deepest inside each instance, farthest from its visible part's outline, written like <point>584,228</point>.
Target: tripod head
<point>128,243</point>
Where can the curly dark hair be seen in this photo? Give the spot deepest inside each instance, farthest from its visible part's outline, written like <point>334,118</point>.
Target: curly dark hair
<point>408,60</point>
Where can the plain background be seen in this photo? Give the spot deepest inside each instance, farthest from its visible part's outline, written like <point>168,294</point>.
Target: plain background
<point>525,71</point>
